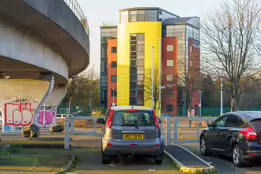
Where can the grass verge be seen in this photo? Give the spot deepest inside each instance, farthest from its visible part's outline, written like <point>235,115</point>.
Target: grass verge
<point>33,160</point>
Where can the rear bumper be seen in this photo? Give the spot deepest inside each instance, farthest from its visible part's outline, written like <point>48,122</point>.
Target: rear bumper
<point>141,148</point>
<point>252,154</point>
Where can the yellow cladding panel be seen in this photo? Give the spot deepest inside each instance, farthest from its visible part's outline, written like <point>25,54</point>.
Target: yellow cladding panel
<point>153,35</point>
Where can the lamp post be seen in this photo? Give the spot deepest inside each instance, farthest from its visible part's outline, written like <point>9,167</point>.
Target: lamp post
<point>152,78</point>
<point>221,95</point>
<point>200,102</point>
<point>90,102</point>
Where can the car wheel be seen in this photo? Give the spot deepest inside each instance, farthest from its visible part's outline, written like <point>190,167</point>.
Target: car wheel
<point>158,159</point>
<point>237,156</point>
<point>203,147</point>
<point>105,158</point>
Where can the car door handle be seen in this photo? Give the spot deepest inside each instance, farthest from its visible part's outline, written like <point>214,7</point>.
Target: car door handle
<point>218,132</point>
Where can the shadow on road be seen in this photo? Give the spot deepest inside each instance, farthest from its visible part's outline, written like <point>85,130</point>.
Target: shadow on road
<point>90,160</point>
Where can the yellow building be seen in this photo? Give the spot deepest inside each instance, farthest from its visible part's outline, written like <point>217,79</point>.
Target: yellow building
<point>130,53</point>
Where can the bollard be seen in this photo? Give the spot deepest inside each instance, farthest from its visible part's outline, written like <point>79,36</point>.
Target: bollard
<point>67,134</point>
<point>94,124</point>
<point>168,131</point>
<point>176,130</point>
<point>198,128</point>
<point>72,124</point>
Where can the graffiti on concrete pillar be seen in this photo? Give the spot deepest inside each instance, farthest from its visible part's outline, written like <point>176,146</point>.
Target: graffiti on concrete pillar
<point>46,117</point>
<point>18,111</point>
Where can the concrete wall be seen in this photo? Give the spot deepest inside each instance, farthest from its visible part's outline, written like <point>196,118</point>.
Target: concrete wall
<point>47,115</point>
<point>26,48</point>
<point>65,18</point>
<point>19,101</point>
<point>54,23</point>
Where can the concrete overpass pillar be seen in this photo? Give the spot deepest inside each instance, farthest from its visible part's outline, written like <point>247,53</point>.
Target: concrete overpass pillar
<point>20,101</point>
<point>47,115</point>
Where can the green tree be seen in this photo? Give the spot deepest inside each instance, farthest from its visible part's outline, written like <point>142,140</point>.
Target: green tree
<point>80,88</point>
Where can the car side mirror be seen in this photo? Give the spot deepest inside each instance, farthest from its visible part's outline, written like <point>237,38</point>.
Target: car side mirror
<point>211,124</point>
<point>160,121</point>
<point>100,121</point>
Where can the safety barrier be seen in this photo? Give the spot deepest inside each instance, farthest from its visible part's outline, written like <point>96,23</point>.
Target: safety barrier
<point>77,10</point>
<point>173,130</point>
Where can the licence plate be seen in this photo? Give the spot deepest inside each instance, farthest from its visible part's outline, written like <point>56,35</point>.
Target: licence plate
<point>133,136</point>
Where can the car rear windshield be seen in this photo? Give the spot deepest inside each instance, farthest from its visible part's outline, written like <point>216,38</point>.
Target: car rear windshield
<point>137,118</point>
<point>256,124</point>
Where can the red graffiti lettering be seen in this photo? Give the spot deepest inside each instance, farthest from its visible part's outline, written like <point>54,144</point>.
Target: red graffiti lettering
<point>18,114</point>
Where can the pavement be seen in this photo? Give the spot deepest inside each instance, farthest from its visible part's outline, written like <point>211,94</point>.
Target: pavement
<point>89,161</point>
<point>224,164</point>
<point>88,150</point>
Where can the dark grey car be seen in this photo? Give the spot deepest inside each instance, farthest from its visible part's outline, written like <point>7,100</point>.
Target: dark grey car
<point>131,130</point>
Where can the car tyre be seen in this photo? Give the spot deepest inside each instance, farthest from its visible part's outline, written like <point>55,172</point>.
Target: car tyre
<point>158,159</point>
<point>237,156</point>
<point>105,158</point>
<point>204,147</point>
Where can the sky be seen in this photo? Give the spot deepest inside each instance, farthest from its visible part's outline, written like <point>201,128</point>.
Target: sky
<point>107,11</point>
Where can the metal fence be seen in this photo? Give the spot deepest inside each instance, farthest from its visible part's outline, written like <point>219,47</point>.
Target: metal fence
<point>173,130</point>
<point>77,10</point>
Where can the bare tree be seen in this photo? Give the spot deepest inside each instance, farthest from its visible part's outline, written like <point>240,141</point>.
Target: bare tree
<point>229,37</point>
<point>191,82</point>
<point>148,87</point>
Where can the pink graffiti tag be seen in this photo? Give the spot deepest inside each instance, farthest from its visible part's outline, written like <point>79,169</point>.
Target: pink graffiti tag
<point>49,117</point>
<point>18,114</point>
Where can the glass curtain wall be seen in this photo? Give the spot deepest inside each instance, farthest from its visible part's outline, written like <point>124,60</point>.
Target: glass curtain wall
<point>106,34</point>
<point>137,69</point>
<point>179,31</point>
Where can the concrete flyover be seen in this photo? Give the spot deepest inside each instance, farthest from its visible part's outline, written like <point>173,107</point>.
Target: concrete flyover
<point>39,40</point>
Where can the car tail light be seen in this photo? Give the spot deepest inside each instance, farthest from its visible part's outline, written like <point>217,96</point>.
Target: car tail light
<point>157,125</point>
<point>133,111</point>
<point>109,123</point>
<point>249,134</point>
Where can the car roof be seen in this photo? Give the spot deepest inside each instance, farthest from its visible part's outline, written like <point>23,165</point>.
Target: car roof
<point>247,115</point>
<point>130,107</point>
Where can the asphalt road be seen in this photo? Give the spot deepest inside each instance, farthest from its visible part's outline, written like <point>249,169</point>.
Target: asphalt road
<point>89,161</point>
<point>224,164</point>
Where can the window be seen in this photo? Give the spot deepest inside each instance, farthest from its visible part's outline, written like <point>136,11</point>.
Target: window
<point>170,48</point>
<point>133,48</point>
<point>133,101</point>
<point>140,118</point>
<point>170,63</point>
<point>256,124</point>
<point>114,64</point>
<point>140,77</point>
<point>190,49</point>
<point>170,93</point>
<point>114,93</point>
<point>169,77</point>
<point>133,63</point>
<point>220,122</point>
<point>231,121</point>
<point>114,79</point>
<point>133,93</point>
<point>169,108</point>
<point>133,78</point>
<point>113,50</point>
<point>140,63</point>
<point>132,85</point>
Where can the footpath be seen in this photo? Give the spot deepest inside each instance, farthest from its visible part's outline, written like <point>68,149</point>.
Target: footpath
<point>187,161</point>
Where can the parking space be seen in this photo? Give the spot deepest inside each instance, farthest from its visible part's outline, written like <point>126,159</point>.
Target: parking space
<point>224,164</point>
<point>89,161</point>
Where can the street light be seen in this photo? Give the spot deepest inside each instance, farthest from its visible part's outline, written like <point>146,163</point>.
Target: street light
<point>221,95</point>
<point>152,78</point>
<point>90,102</point>
<point>200,102</point>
